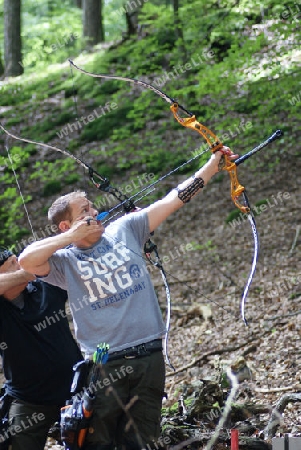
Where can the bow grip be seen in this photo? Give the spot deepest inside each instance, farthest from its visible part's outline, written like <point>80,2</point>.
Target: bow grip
<point>236,188</point>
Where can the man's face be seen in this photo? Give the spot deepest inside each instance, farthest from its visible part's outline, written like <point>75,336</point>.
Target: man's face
<point>81,208</point>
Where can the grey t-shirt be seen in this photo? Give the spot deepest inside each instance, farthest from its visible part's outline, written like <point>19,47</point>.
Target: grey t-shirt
<point>112,298</point>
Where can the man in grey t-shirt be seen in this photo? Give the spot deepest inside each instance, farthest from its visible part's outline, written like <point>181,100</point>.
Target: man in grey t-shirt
<point>112,300</point>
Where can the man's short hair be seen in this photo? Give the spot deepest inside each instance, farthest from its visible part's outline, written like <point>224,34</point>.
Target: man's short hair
<point>60,209</point>
<point>4,255</point>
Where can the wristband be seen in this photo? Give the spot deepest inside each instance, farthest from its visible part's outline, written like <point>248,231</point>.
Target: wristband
<point>186,194</point>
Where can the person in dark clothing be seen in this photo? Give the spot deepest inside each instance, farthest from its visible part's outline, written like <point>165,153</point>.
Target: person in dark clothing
<point>38,352</point>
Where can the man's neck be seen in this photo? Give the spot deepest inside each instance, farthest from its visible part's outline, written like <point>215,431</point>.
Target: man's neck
<point>86,243</point>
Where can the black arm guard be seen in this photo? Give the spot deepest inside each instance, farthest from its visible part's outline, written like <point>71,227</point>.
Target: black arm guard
<point>186,194</point>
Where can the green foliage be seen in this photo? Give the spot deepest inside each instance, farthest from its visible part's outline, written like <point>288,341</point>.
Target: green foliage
<point>71,178</point>
<point>101,128</point>
<point>50,33</point>
<point>236,65</point>
<point>51,187</point>
<point>11,212</point>
<point>45,130</point>
<point>109,87</point>
<point>114,19</point>
<point>105,170</point>
<point>258,204</point>
<point>209,246</point>
<point>161,158</point>
<point>234,214</point>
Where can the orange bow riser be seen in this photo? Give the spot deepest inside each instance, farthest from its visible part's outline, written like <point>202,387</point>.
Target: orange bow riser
<point>215,144</point>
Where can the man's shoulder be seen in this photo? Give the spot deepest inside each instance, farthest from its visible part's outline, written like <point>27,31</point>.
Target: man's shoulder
<point>135,217</point>
<point>63,253</point>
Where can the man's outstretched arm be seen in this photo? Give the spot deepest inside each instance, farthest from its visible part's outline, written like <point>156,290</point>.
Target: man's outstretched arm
<point>160,210</point>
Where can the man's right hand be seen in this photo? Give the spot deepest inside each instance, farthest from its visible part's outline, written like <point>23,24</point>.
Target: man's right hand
<point>83,227</point>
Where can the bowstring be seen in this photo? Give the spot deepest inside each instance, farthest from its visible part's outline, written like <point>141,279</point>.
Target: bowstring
<point>20,192</point>
<point>75,103</point>
<point>150,186</point>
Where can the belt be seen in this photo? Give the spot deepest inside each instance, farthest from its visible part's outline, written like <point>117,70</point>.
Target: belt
<point>137,351</point>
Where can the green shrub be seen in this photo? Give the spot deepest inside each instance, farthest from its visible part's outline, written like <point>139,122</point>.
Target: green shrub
<point>52,187</point>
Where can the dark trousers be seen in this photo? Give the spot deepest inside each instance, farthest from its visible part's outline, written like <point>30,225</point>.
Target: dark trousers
<point>29,424</point>
<point>138,385</point>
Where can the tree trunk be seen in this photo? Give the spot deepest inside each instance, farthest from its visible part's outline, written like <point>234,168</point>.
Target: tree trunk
<point>51,7</point>
<point>12,38</point>
<point>93,23</point>
<point>178,29</point>
<point>132,9</point>
<point>1,66</point>
<point>78,3</point>
<point>101,27</point>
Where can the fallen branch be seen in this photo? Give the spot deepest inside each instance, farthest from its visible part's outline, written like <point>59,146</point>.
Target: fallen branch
<point>298,228</point>
<point>205,356</point>
<point>244,411</point>
<point>280,389</point>
<point>224,350</point>
<point>284,316</point>
<point>276,416</point>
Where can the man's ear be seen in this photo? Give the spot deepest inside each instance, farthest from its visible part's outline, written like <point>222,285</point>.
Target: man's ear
<point>64,225</point>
